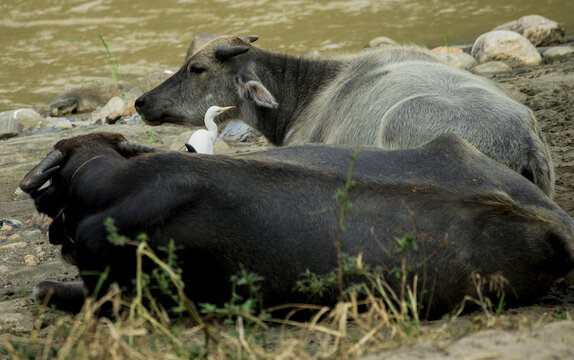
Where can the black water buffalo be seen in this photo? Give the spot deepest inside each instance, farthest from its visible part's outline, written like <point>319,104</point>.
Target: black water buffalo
<point>394,98</point>
<point>274,214</point>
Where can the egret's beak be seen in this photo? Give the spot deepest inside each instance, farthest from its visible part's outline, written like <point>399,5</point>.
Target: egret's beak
<point>226,108</point>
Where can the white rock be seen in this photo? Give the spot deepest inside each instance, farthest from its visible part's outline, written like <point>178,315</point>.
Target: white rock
<point>63,124</point>
<point>491,67</point>
<point>538,29</point>
<point>235,129</point>
<point>9,126</point>
<point>116,104</point>
<point>461,60</point>
<point>507,46</point>
<point>558,51</point>
<point>28,118</point>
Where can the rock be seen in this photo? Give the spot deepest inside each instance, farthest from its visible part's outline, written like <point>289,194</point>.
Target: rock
<point>59,123</point>
<point>113,117</point>
<point>14,237</point>
<point>31,260</point>
<point>6,228</point>
<point>446,50</point>
<point>10,222</point>
<point>136,119</point>
<point>461,60</point>
<point>84,98</point>
<point>236,129</point>
<point>115,104</point>
<point>381,41</point>
<point>539,30</point>
<point>491,67</point>
<point>16,245</point>
<point>9,126</point>
<point>558,51</point>
<point>32,233</point>
<point>28,118</point>
<point>507,46</point>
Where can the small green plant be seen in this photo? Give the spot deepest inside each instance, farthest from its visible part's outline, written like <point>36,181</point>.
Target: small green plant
<point>113,63</point>
<point>342,197</point>
<point>152,138</point>
<point>250,307</point>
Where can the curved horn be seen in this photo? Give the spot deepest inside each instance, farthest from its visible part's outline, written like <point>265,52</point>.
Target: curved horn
<point>224,52</point>
<point>129,148</point>
<point>250,38</point>
<point>42,172</point>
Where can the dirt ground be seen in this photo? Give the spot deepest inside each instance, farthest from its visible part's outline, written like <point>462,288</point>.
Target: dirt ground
<point>542,331</point>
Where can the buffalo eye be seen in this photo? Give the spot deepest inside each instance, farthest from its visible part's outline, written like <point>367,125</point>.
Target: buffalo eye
<point>196,69</point>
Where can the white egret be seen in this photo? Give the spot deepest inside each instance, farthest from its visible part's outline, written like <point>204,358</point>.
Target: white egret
<point>202,141</point>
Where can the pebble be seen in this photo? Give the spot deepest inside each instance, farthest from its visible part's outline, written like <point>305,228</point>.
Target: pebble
<point>461,60</point>
<point>60,123</point>
<point>507,46</point>
<point>113,117</point>
<point>558,51</point>
<point>446,50</point>
<point>491,67</point>
<point>236,129</point>
<point>134,120</point>
<point>10,222</point>
<point>31,233</point>
<point>16,245</point>
<point>28,118</point>
<point>116,104</point>
<point>31,260</point>
<point>9,126</point>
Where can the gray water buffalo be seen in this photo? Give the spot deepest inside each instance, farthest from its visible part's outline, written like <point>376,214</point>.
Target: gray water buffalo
<point>273,213</point>
<point>394,98</point>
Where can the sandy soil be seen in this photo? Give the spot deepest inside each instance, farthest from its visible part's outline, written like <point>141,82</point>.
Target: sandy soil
<point>533,332</point>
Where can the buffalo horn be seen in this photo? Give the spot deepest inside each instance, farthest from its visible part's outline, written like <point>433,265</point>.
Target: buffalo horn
<point>41,173</point>
<point>224,52</point>
<point>131,149</point>
<point>250,38</point>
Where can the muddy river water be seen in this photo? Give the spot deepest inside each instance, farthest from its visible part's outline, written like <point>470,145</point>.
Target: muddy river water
<point>48,45</point>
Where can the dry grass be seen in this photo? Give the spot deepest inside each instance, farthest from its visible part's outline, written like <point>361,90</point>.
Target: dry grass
<point>140,332</point>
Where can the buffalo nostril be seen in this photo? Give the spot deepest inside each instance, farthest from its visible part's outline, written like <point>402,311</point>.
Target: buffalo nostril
<point>140,102</point>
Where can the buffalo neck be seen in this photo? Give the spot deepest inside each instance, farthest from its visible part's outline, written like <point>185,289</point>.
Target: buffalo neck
<point>294,82</point>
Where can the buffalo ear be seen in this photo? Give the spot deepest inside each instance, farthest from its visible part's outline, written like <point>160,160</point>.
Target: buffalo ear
<point>253,90</point>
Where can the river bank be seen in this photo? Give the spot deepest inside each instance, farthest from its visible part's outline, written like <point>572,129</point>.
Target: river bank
<point>26,257</point>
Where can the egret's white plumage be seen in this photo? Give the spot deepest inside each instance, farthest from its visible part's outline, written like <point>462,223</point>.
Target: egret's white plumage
<point>203,140</point>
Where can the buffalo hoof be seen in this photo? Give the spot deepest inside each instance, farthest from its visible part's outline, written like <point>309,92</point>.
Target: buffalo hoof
<point>68,296</point>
